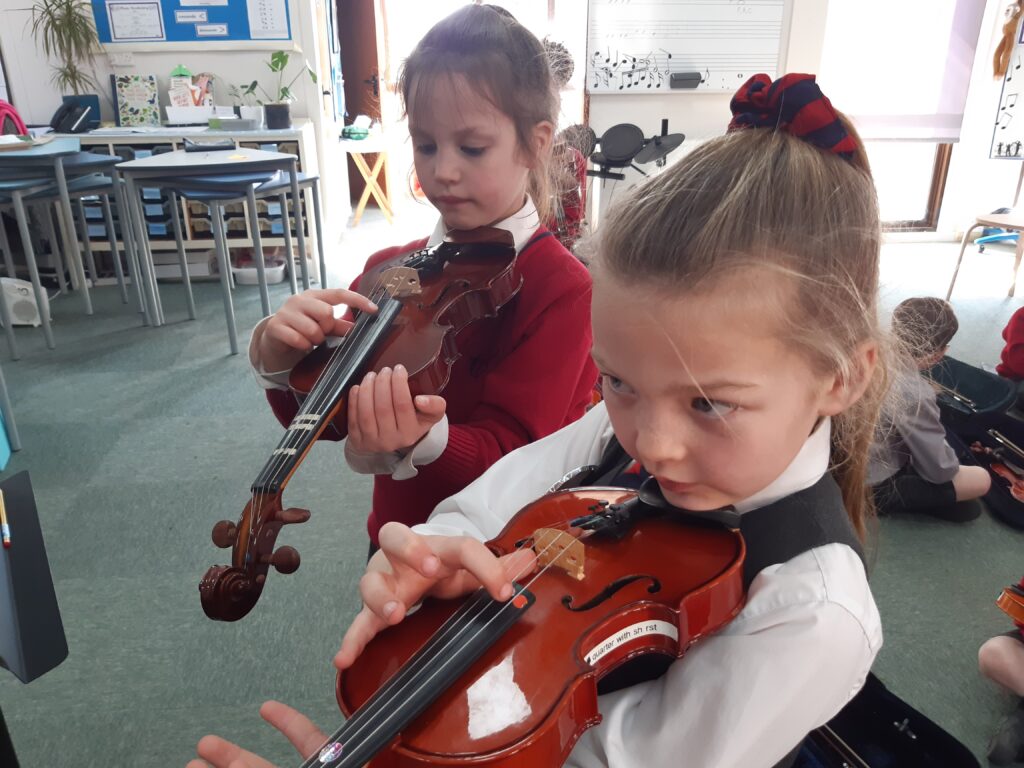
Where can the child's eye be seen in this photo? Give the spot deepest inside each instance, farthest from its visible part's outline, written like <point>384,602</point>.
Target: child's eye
<point>474,151</point>
<point>714,408</point>
<point>426,149</point>
<point>618,386</point>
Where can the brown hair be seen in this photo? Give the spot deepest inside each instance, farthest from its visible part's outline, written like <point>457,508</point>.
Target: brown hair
<point>924,325</point>
<point>505,63</point>
<point>761,198</point>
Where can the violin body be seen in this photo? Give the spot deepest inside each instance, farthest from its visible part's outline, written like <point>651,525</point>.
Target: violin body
<point>424,299</point>
<point>657,587</point>
<point>1011,602</point>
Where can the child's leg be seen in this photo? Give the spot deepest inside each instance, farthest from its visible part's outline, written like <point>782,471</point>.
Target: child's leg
<point>1001,659</point>
<point>936,499</point>
<point>971,482</point>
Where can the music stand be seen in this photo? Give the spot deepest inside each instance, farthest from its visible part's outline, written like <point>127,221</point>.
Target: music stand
<point>32,640</point>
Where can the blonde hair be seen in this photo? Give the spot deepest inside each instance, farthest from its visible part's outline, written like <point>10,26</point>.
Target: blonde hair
<point>763,198</point>
<point>502,61</point>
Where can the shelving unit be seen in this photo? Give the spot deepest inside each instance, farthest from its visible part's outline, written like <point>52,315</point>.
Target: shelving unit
<point>195,217</point>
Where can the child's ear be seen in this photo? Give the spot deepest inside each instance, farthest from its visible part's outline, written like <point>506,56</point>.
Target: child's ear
<point>542,137</point>
<point>842,392</point>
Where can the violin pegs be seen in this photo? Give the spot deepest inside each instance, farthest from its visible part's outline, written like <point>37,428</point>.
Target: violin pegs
<point>285,560</point>
<point>292,515</point>
<point>224,534</point>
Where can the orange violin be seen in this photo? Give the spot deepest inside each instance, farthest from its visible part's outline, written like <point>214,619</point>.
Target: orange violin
<point>484,683</point>
<point>1011,602</point>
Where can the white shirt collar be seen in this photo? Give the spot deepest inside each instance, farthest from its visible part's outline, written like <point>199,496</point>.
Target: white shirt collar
<point>522,224</point>
<point>804,471</point>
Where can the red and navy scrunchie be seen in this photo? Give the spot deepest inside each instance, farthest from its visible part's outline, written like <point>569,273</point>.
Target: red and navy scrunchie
<point>795,104</point>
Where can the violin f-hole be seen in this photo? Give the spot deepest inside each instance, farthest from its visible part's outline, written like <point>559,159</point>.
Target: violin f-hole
<point>610,590</point>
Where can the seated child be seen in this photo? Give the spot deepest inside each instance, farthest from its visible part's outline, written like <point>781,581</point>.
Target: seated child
<point>912,466</point>
<point>1001,660</point>
<point>1011,361</point>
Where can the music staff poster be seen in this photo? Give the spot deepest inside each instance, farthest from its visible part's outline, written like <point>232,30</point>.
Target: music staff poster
<point>1008,133</point>
<point>634,46</point>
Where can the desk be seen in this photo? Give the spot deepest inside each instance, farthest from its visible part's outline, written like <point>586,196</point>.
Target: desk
<point>51,155</point>
<point>372,145</point>
<point>179,166</point>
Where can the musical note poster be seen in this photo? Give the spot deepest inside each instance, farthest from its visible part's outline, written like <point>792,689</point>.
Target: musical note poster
<point>1008,132</point>
<point>634,46</point>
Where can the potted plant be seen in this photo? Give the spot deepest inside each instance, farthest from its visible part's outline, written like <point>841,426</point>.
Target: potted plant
<point>278,105</point>
<point>66,31</point>
<point>247,105</point>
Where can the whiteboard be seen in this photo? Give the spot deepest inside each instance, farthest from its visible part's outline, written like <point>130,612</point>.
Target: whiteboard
<point>1008,133</point>
<point>633,46</point>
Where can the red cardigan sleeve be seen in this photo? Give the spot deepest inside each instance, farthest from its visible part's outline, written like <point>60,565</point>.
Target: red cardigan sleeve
<point>544,383</point>
<point>282,401</point>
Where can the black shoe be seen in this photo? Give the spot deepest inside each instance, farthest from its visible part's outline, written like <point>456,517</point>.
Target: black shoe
<point>1007,745</point>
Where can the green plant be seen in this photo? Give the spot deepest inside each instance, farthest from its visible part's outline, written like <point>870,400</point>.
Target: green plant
<point>245,95</point>
<point>66,31</point>
<point>283,93</point>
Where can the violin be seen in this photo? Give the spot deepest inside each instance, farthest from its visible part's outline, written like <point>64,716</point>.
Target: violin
<point>1001,462</point>
<point>1011,602</point>
<point>424,299</point>
<point>479,682</point>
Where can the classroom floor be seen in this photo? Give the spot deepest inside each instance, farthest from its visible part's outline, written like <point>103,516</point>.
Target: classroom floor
<point>138,440</point>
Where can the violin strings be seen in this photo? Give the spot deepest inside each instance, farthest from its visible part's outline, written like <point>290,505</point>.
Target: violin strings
<point>396,686</point>
<point>320,397</point>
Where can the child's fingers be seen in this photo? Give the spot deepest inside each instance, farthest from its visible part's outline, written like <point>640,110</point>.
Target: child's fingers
<point>354,433</point>
<point>383,407</point>
<point>335,296</point>
<point>307,326</point>
<point>462,552</point>
<point>365,408</point>
<point>221,753</point>
<point>430,407</point>
<point>362,630</point>
<point>403,546</point>
<point>401,400</point>
<point>289,337</point>
<point>296,727</point>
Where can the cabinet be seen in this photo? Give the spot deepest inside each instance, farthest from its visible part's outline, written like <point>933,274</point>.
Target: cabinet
<point>195,217</point>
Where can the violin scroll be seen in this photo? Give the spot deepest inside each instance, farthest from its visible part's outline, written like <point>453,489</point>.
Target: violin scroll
<point>228,593</point>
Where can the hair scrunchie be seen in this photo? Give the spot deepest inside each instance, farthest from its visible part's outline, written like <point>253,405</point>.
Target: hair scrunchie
<point>795,104</point>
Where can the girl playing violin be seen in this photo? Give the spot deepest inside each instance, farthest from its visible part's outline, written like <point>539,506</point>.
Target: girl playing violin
<point>481,107</point>
<point>736,333</point>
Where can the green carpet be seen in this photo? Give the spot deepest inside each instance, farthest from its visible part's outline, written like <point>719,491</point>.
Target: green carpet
<point>139,439</point>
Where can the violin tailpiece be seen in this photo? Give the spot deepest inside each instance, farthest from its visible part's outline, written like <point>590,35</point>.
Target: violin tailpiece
<point>557,548</point>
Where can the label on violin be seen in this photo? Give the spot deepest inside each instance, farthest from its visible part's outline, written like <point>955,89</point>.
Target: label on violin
<point>632,632</point>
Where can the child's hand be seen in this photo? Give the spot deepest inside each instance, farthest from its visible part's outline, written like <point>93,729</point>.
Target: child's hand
<point>410,566</point>
<point>383,416</point>
<point>304,321</point>
<point>298,729</point>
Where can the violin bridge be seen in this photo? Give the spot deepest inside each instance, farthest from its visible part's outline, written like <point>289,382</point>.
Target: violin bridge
<point>560,549</point>
<point>400,282</point>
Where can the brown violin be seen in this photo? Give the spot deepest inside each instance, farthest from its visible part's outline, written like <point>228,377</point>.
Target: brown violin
<point>1011,602</point>
<point>479,682</point>
<point>424,299</point>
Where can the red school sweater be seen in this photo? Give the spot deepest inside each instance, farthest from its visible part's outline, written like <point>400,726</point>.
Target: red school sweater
<point>1011,364</point>
<point>520,376</point>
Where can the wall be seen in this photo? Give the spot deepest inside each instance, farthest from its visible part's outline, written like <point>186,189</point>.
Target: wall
<point>703,115</point>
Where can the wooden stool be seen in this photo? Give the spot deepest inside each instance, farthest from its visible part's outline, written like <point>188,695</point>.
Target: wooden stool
<point>370,146</point>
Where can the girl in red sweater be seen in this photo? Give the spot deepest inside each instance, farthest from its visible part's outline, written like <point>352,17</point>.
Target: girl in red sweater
<point>481,107</point>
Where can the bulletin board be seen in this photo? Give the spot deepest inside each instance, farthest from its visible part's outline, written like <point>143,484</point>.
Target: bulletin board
<point>166,24</point>
<point>1008,133</point>
<point>634,46</point>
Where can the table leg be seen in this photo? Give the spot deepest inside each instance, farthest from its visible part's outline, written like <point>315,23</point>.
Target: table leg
<point>126,219</point>
<point>84,229</point>
<point>364,171</point>
<point>33,270</point>
<point>74,255</point>
<point>138,224</point>
<point>5,316</point>
<point>288,247</point>
<point>55,254</point>
<point>257,249</point>
<point>299,225</point>
<point>6,246</point>
<point>5,406</point>
<point>115,254</point>
<point>182,257</point>
<point>219,237</point>
<point>319,233</point>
